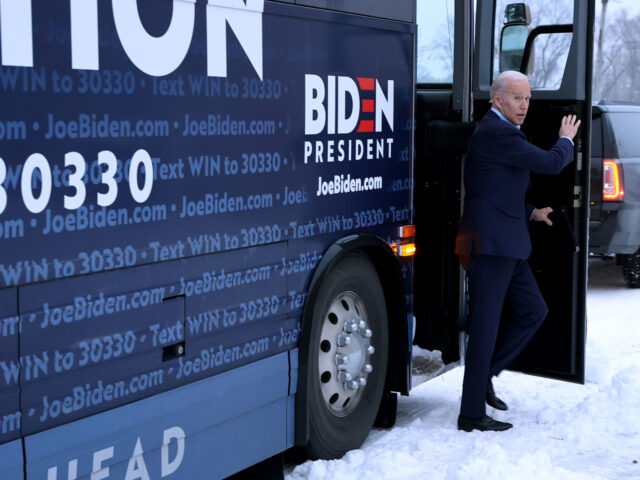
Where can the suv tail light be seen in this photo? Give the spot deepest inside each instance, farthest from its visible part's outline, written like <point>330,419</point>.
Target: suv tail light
<point>612,181</point>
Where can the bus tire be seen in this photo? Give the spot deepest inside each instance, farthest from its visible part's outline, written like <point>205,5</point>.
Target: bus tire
<point>348,355</point>
<point>631,269</point>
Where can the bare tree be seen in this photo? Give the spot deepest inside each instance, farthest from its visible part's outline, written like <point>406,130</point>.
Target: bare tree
<point>618,65</point>
<point>621,59</point>
<point>435,58</point>
<point>549,51</point>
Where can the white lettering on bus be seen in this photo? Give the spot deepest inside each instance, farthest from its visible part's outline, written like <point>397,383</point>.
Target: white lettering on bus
<point>319,117</point>
<point>157,56</point>
<point>136,467</point>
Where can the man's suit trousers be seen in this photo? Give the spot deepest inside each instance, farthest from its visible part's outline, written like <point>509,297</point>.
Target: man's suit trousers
<point>493,281</point>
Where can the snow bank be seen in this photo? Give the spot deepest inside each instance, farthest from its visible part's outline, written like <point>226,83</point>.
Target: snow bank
<point>562,431</point>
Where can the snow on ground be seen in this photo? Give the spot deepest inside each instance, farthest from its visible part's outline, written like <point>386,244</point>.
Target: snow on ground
<point>562,430</point>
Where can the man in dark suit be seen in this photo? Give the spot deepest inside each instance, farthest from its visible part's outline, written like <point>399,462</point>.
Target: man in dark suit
<point>493,241</point>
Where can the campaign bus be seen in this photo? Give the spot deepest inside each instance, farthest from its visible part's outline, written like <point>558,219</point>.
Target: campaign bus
<point>225,224</point>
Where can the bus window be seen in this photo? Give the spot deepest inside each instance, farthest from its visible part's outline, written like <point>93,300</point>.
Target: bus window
<point>549,51</point>
<point>435,41</point>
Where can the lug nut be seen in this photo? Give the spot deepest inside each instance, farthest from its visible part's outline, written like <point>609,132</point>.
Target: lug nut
<point>344,340</point>
<point>371,350</point>
<point>367,333</point>
<point>342,359</point>
<point>368,368</point>
<point>344,377</point>
<point>362,325</point>
<point>352,385</point>
<point>351,327</point>
<point>362,381</point>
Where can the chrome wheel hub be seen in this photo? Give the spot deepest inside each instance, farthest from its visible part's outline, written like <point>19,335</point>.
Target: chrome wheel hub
<point>345,352</point>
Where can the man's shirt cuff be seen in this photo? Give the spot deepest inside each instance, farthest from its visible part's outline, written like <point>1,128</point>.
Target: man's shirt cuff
<point>568,139</point>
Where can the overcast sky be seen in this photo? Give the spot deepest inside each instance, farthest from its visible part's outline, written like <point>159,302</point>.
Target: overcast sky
<point>434,17</point>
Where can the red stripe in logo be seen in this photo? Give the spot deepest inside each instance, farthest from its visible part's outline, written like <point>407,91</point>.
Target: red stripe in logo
<point>367,83</point>
<point>365,126</point>
<point>368,106</point>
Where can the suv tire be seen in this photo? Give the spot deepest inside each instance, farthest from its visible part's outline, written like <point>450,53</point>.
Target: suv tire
<point>631,269</point>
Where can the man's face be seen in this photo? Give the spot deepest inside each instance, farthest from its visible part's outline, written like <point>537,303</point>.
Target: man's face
<point>515,101</point>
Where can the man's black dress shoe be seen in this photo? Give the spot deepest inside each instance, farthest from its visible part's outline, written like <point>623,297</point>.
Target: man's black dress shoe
<point>484,424</point>
<point>492,400</point>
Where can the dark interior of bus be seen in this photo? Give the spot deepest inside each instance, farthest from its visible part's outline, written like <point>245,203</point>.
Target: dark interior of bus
<point>437,208</point>
<point>441,142</point>
<point>442,138</point>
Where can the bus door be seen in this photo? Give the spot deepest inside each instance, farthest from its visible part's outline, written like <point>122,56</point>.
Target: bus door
<point>442,132</point>
<point>550,42</point>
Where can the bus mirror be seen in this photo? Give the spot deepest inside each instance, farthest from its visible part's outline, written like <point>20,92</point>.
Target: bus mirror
<point>517,18</point>
<point>512,43</point>
<point>517,14</point>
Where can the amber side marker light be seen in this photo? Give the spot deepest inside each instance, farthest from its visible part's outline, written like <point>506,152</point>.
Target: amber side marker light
<point>612,182</point>
<point>407,231</point>
<point>406,248</point>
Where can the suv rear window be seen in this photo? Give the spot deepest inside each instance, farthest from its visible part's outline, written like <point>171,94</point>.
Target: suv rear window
<point>596,137</point>
<point>625,130</point>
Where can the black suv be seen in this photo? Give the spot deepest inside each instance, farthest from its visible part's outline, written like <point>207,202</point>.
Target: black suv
<point>614,226</point>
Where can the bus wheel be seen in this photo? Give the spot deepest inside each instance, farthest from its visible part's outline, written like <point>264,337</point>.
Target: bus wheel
<point>348,355</point>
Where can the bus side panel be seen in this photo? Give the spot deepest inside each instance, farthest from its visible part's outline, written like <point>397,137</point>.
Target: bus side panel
<point>11,465</point>
<point>9,367</point>
<point>402,10</point>
<point>208,429</point>
<point>234,162</point>
<point>335,65</point>
<point>291,402</point>
<point>96,342</point>
<point>250,309</point>
<point>234,166</point>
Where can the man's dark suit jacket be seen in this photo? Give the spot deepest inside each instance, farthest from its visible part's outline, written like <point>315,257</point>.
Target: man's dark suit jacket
<point>496,179</point>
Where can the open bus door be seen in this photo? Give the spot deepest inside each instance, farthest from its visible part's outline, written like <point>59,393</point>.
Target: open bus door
<point>556,37</point>
<point>551,42</point>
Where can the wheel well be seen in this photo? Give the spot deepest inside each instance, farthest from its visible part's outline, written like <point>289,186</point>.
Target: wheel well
<point>390,276</point>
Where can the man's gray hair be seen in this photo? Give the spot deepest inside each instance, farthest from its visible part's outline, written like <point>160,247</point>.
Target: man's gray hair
<point>499,85</point>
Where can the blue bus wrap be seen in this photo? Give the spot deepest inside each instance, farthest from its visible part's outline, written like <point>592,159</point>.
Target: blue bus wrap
<point>172,174</point>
